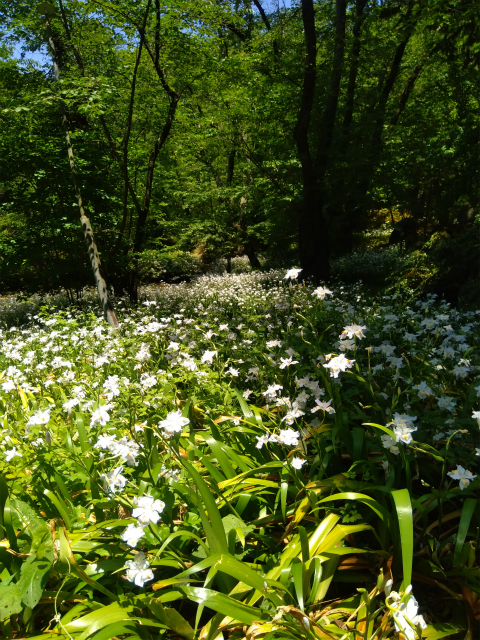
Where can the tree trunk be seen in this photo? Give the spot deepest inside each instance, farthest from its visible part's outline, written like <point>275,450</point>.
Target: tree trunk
<point>252,257</point>
<point>313,240</point>
<point>108,310</point>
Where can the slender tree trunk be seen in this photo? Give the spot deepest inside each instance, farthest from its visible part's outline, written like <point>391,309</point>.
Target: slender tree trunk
<point>108,310</point>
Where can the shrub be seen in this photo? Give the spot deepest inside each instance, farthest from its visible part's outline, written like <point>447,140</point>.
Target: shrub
<point>167,265</point>
<point>370,266</point>
<point>447,265</point>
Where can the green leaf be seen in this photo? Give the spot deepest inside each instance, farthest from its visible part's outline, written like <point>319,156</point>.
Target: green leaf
<point>172,619</point>
<point>438,630</point>
<point>382,428</point>
<point>366,500</point>
<point>403,505</point>
<point>297,572</point>
<point>221,457</point>
<point>33,577</point>
<point>61,508</point>
<point>107,615</point>
<point>10,600</point>
<point>218,541</point>
<point>247,412</point>
<point>465,519</point>
<point>224,604</point>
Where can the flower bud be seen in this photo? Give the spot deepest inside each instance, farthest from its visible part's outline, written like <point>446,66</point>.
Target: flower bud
<point>306,623</point>
<point>388,587</point>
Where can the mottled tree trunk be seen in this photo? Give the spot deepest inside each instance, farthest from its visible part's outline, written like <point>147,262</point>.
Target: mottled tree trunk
<point>108,310</point>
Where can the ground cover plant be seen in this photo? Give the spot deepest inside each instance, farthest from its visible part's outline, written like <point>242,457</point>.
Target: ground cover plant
<point>245,457</point>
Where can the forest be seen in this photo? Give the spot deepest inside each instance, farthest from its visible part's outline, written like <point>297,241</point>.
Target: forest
<point>291,134</point>
<point>239,319</point>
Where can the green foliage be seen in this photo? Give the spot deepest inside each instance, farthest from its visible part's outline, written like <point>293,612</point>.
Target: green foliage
<point>227,178</point>
<point>446,265</point>
<point>167,265</point>
<point>253,508</point>
<point>373,267</point>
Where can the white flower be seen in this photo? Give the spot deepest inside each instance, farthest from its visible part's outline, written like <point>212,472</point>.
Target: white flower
<point>9,385</point>
<point>286,362</point>
<point>12,453</point>
<point>271,392</point>
<point>113,481</point>
<point>288,437</point>
<point>101,415</point>
<point>345,345</point>
<point>447,403</point>
<point>188,363</point>
<point>423,390</point>
<point>352,330</point>
<point>40,417</point>
<point>429,323</point>
<point>148,510</point>
<point>476,416</point>
<point>389,443</point>
<point>233,372</point>
<point>207,357</point>
<point>68,406</point>
<point>261,440</point>
<point>274,343</point>
<point>292,274</point>
<point>406,615</point>
<point>302,382</point>
<point>463,475</point>
<point>460,371</point>
<point>144,353</point>
<point>297,463</point>
<point>100,361</point>
<point>396,362</point>
<point>321,292</point>
<point>173,423</point>
<point>105,442</point>
<point>126,449</point>
<point>111,387</point>
<point>337,364</point>
<point>246,393</point>
<point>324,406</point>
<point>139,570</point>
<point>147,381</point>
<point>403,427</point>
<point>170,473</point>
<point>294,413</point>
<point>132,535</point>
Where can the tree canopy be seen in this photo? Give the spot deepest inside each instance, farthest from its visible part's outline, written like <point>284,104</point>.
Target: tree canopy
<point>226,127</point>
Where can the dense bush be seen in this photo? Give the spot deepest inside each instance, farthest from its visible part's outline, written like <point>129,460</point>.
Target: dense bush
<point>371,266</point>
<point>167,265</point>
